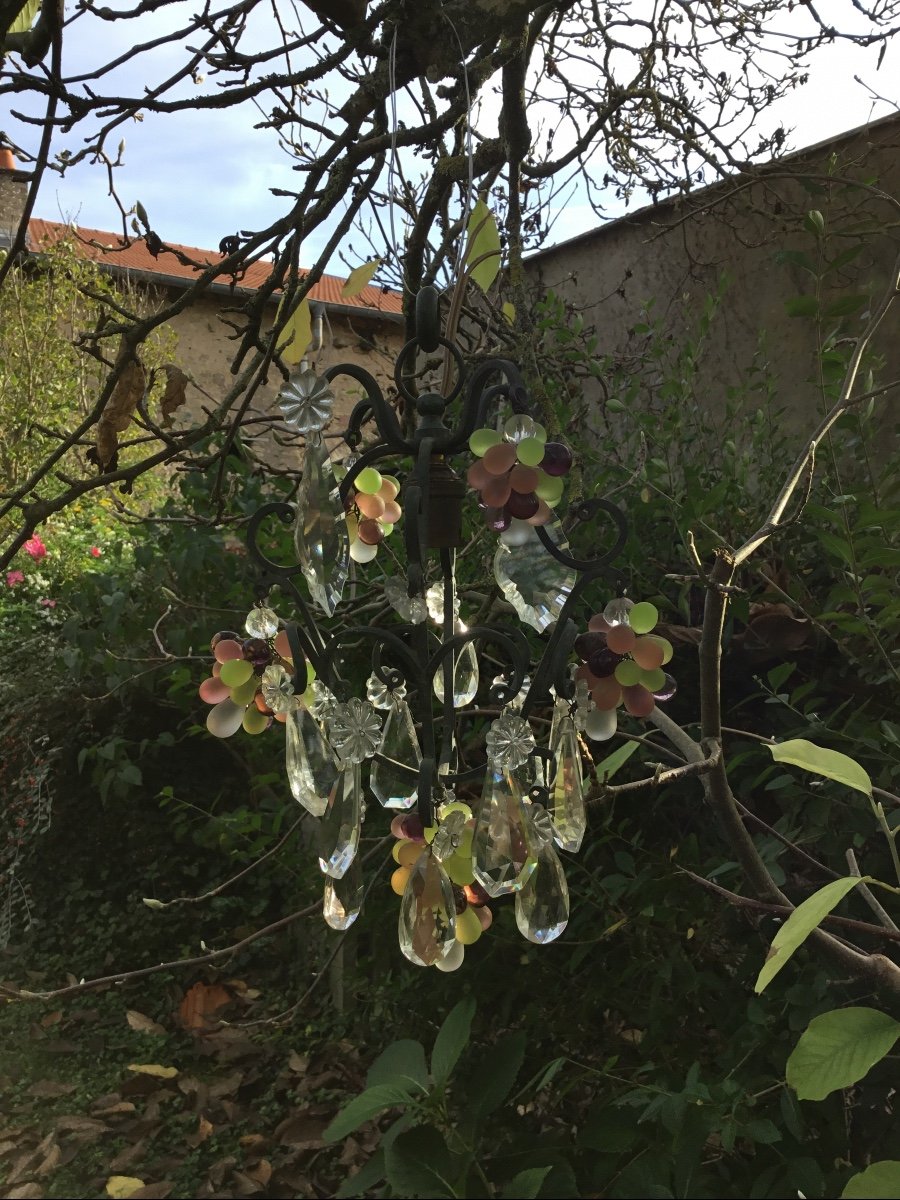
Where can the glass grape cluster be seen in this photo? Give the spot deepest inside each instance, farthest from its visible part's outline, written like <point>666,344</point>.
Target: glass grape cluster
<point>454,835</point>
<point>372,512</point>
<point>518,473</point>
<point>250,686</point>
<point>621,663</point>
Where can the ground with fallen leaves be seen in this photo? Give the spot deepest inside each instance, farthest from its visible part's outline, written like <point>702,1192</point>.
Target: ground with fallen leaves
<point>102,1098</point>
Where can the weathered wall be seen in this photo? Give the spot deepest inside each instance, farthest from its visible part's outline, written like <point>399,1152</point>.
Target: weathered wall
<point>205,350</point>
<point>676,252</point>
<point>13,193</point>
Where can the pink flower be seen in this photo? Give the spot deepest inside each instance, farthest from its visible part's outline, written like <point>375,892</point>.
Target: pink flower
<point>95,551</point>
<point>46,603</point>
<point>36,548</point>
<point>14,577</point>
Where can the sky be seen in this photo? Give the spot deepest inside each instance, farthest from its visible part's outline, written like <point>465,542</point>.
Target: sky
<point>201,176</point>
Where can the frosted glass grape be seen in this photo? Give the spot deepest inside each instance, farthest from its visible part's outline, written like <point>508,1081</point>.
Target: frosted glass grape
<point>392,512</point>
<point>225,719</point>
<point>648,653</point>
<point>497,492</point>
<point>519,533</point>
<point>227,650</point>
<point>600,725</point>
<point>235,672</point>
<point>389,488</point>
<point>254,721</point>
<point>530,451</point>
<point>482,440</point>
<point>213,691</point>
<point>543,515</point>
<point>370,506</point>
<point>361,552</point>
<point>621,638</point>
<point>368,481</point>
<point>478,476</point>
<point>523,479</point>
<point>643,617</point>
<point>638,701</point>
<point>498,459</point>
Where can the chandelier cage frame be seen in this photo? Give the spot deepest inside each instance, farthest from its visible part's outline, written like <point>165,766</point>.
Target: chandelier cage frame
<point>432,499</point>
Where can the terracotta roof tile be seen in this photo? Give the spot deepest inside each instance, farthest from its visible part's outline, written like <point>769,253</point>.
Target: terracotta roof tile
<point>108,248</point>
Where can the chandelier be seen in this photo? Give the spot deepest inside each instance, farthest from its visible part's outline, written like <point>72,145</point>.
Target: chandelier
<point>445,737</point>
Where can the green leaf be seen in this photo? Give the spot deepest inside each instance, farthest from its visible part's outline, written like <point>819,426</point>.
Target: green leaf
<point>360,277</point>
<point>608,767</point>
<point>844,306</point>
<point>25,19</point>
<point>800,924</point>
<point>297,333</point>
<point>496,1073</point>
<point>484,246</point>
<point>363,1108</point>
<point>830,763</point>
<point>801,306</point>
<point>401,1063</point>
<point>451,1040</point>
<point>779,674</point>
<point>526,1184</point>
<point>370,1174</point>
<point>418,1163</point>
<point>880,1181</point>
<point>837,1049</point>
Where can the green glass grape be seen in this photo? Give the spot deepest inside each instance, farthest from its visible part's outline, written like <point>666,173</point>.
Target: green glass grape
<point>235,672</point>
<point>628,673</point>
<point>482,440</point>
<point>368,481</point>
<point>643,617</point>
<point>653,681</point>
<point>550,488</point>
<point>530,451</point>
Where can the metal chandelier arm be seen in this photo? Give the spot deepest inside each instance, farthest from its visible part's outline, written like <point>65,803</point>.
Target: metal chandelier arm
<point>385,417</point>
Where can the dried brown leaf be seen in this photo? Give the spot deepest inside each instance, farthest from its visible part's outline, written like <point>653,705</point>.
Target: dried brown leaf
<point>199,1003</point>
<point>46,1089</point>
<point>27,1191</point>
<point>141,1023</point>
<point>261,1172</point>
<point>173,396</point>
<point>301,1130</point>
<point>153,1191</point>
<point>51,1018</point>
<point>298,1062</point>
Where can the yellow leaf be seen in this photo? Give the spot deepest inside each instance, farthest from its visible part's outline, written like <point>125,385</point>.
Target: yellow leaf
<point>509,311</point>
<point>25,19</point>
<point>153,1069</point>
<point>483,253</point>
<point>297,333</point>
<point>122,1186</point>
<point>360,277</point>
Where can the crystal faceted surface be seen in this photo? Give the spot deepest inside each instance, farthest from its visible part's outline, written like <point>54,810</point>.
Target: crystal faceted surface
<point>339,828</point>
<point>427,924</point>
<point>307,402</point>
<point>510,741</point>
<point>320,535</point>
<point>311,768</point>
<point>262,622</point>
<point>354,729</point>
<point>392,787</point>
<point>566,800</point>
<point>542,905</point>
<point>465,677</point>
<point>502,850</point>
<point>530,578</point>
<point>278,690</point>
<point>343,897</point>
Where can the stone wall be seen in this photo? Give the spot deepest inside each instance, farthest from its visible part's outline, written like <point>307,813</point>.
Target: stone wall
<point>676,253</point>
<point>13,194</point>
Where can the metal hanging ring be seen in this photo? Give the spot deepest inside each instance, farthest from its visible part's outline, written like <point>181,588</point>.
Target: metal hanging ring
<point>410,348</point>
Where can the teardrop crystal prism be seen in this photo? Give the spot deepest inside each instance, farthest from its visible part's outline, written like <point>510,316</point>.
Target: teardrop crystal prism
<point>531,579</point>
<point>311,768</point>
<point>427,926</point>
<point>566,800</point>
<point>343,897</point>
<point>320,535</point>
<point>542,906</point>
<point>502,851</point>
<point>338,833</point>
<point>392,787</point>
<point>465,677</point>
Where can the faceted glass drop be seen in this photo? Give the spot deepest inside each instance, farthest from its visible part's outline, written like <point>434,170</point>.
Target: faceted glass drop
<point>566,800</point>
<point>542,906</point>
<point>338,833</point>
<point>534,583</point>
<point>465,678</point>
<point>343,898</point>
<point>392,787</point>
<point>311,769</point>
<point>502,850</point>
<point>320,535</point>
<point>427,926</point>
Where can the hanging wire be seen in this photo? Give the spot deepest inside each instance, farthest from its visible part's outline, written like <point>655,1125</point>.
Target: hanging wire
<point>470,158</point>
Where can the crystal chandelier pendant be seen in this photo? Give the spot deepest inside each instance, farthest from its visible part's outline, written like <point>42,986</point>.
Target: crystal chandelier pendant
<point>531,579</point>
<point>502,848</point>
<point>320,535</point>
<point>427,925</point>
<point>311,768</point>
<point>339,829</point>
<point>566,787</point>
<point>391,786</point>
<point>542,905</point>
<point>343,897</point>
<point>465,678</point>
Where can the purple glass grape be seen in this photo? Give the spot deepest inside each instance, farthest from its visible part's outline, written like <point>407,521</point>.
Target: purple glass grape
<point>522,505</point>
<point>557,459</point>
<point>668,690</point>
<point>497,519</point>
<point>587,644</point>
<point>603,663</point>
<point>256,650</point>
<point>224,635</point>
